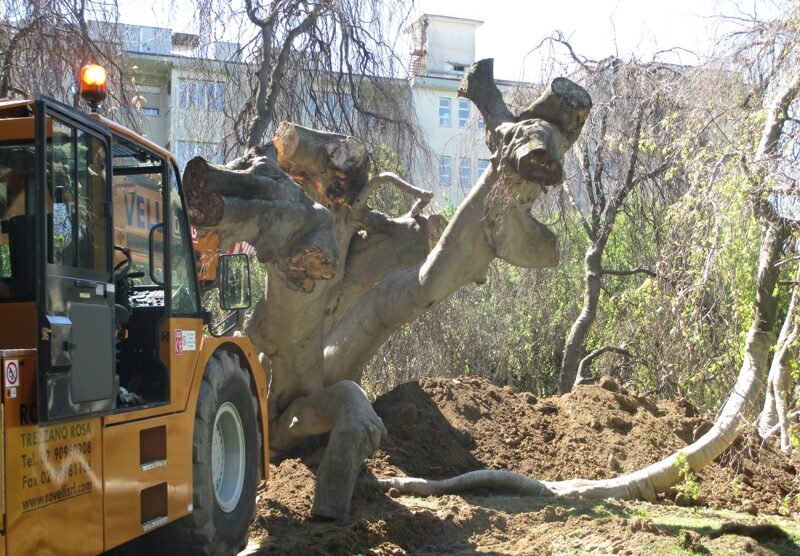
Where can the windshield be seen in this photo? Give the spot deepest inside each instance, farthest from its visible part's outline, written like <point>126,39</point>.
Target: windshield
<point>138,190</point>
<point>17,175</point>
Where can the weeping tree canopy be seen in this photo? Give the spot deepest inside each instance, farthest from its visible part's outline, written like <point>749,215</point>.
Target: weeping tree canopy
<point>46,42</point>
<point>330,62</point>
<point>343,277</point>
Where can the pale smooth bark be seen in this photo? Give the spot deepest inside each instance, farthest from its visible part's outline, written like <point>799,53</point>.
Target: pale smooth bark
<point>779,381</point>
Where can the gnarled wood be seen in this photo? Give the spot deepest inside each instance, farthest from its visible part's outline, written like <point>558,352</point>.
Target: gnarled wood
<point>478,85</point>
<point>562,103</point>
<point>332,168</point>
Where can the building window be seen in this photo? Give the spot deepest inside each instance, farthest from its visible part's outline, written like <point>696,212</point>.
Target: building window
<point>147,100</point>
<point>483,164</point>
<point>444,112</point>
<point>444,170</point>
<point>187,150</point>
<point>200,94</point>
<point>463,112</point>
<point>481,124</point>
<point>464,172</point>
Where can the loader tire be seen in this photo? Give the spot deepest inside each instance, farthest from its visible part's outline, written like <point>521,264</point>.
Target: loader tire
<point>225,458</point>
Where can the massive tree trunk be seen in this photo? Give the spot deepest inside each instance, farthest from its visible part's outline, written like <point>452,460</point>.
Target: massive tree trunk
<point>343,277</point>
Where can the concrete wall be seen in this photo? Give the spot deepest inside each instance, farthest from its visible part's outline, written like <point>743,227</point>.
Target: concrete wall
<point>450,41</point>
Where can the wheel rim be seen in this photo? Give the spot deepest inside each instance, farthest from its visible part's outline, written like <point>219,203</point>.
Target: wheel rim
<point>227,457</point>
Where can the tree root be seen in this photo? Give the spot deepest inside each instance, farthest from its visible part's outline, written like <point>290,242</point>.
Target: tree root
<point>342,409</point>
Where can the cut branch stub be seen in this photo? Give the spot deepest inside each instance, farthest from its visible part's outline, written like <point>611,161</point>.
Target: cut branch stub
<point>478,85</point>
<point>260,204</point>
<point>205,207</point>
<point>535,148</point>
<point>311,258</point>
<point>332,168</point>
<point>536,140</point>
<point>564,104</point>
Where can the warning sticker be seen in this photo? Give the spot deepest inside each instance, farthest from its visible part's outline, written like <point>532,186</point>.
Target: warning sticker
<point>185,340</point>
<point>189,343</point>
<point>11,373</point>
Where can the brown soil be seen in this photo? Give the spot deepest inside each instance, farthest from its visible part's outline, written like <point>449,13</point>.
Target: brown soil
<point>443,427</point>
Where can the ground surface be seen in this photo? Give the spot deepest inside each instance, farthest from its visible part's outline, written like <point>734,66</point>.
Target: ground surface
<point>442,427</point>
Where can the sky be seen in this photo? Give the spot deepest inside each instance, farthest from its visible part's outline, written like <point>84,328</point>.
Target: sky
<point>512,28</point>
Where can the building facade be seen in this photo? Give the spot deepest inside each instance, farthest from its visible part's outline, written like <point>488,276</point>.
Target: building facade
<point>182,89</point>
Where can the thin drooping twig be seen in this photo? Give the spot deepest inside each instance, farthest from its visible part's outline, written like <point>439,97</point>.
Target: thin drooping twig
<point>631,272</point>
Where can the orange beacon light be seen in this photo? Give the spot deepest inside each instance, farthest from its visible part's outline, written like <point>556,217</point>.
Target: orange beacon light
<point>93,87</point>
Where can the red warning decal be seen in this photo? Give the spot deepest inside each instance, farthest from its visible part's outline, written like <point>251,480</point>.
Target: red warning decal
<point>178,342</point>
<point>11,373</point>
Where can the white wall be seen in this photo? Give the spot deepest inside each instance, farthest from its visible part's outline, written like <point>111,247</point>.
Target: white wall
<point>454,141</point>
<point>449,41</point>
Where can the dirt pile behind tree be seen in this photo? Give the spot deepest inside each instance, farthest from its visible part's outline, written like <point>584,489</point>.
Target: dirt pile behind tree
<point>442,427</point>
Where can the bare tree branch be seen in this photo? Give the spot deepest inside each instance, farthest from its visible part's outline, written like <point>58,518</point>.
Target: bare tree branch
<point>423,196</point>
<point>583,367</point>
<point>631,272</point>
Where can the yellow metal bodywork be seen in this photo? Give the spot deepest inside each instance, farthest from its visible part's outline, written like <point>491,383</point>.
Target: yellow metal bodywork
<point>125,479</point>
<point>76,487</point>
<point>53,475</point>
<point>84,479</point>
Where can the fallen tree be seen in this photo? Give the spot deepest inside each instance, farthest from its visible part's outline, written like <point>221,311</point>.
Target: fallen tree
<point>343,277</point>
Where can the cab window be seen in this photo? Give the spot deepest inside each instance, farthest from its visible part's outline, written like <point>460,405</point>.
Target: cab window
<point>184,286</point>
<point>17,176</point>
<point>76,178</point>
<point>138,191</point>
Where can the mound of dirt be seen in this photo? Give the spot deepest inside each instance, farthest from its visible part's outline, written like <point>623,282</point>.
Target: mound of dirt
<point>443,427</point>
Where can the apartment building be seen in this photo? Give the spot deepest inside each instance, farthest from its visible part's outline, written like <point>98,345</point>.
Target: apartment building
<point>183,89</point>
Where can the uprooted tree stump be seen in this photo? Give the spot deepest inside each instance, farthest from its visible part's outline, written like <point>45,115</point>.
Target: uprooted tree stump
<point>343,277</point>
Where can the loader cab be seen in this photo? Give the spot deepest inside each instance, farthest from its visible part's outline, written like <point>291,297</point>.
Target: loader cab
<point>101,248</point>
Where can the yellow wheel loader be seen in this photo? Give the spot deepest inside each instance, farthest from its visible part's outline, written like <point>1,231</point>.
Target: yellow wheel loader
<point>120,418</point>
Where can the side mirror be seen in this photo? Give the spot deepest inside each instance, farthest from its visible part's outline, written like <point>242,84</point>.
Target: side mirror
<point>234,281</point>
